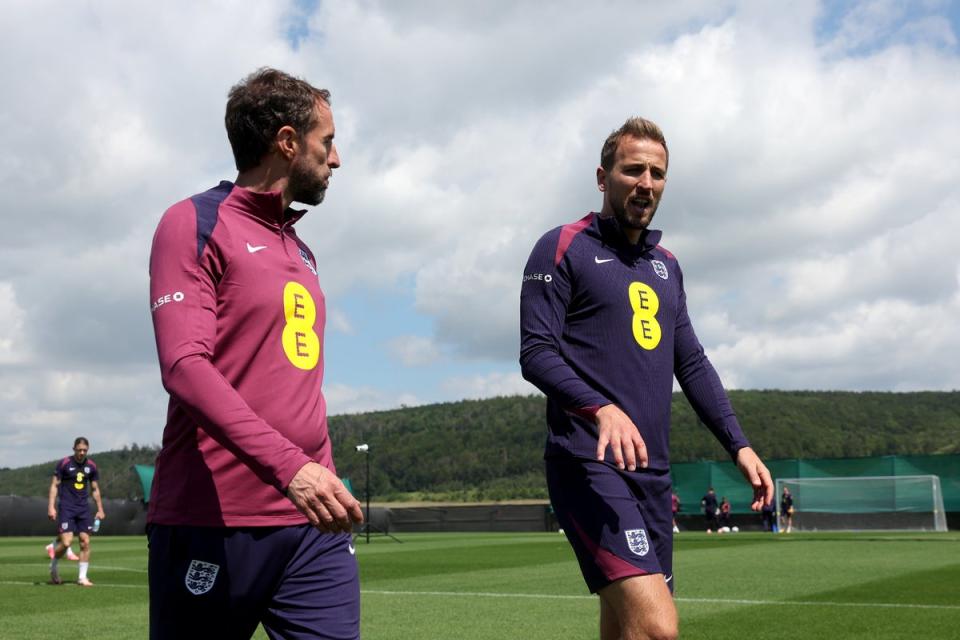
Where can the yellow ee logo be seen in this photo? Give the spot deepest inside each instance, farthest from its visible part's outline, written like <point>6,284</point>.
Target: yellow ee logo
<point>79,483</point>
<point>300,342</point>
<point>645,304</point>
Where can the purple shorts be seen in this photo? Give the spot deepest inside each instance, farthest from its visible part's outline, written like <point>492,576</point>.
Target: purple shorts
<point>78,522</point>
<point>208,582</point>
<point>619,523</point>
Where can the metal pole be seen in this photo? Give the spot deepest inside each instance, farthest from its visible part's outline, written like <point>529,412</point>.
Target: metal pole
<point>368,497</point>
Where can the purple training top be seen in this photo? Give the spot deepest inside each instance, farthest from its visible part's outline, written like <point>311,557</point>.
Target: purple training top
<point>239,316</point>
<point>75,478</point>
<point>604,321</point>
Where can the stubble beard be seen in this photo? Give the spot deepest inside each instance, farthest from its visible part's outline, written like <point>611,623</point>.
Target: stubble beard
<point>306,186</point>
<point>632,222</point>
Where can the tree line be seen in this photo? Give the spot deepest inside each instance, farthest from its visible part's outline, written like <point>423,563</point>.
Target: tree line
<point>492,449</point>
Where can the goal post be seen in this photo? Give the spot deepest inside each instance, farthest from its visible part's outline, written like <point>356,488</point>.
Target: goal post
<point>892,503</point>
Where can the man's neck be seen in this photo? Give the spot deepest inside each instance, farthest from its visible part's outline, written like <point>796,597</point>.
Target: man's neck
<point>265,178</point>
<point>632,235</point>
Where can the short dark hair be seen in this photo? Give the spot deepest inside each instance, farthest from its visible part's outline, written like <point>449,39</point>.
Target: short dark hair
<point>263,102</point>
<point>80,440</point>
<point>638,128</point>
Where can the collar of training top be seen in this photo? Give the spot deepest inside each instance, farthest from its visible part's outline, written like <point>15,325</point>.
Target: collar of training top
<point>613,235</point>
<point>265,205</point>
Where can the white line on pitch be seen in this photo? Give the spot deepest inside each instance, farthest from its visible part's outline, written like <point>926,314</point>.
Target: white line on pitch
<point>65,564</point>
<point>814,603</point>
<point>67,583</point>
<point>552,596</point>
<point>545,596</point>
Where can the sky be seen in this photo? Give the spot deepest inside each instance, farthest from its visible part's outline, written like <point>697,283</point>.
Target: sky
<point>813,196</point>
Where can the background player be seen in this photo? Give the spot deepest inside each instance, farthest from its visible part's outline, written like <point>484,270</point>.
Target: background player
<point>604,329</point>
<point>709,505</point>
<point>786,511</point>
<point>724,514</point>
<point>75,478</point>
<point>675,509</point>
<point>52,548</point>
<point>248,522</point>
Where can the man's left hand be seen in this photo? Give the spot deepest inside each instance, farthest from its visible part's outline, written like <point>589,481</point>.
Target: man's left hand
<point>757,474</point>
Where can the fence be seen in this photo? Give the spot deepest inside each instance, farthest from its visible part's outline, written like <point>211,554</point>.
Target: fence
<point>691,479</point>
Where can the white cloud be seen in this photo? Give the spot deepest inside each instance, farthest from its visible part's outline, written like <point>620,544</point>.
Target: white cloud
<point>812,198</point>
<point>11,326</point>
<point>339,322</point>
<point>46,408</point>
<point>489,385</point>
<point>414,351</point>
<point>350,399</point>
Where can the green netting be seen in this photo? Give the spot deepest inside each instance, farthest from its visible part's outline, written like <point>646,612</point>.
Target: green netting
<point>692,479</point>
<point>838,503</point>
<point>845,467</point>
<point>947,468</point>
<point>145,475</point>
<point>690,482</point>
<point>349,485</point>
<point>912,494</point>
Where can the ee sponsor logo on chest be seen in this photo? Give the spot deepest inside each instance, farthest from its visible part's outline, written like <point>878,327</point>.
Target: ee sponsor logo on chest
<point>176,296</point>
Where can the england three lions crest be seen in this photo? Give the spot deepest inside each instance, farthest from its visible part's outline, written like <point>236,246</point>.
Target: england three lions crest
<point>306,261</point>
<point>637,541</point>
<point>200,577</point>
<point>660,269</point>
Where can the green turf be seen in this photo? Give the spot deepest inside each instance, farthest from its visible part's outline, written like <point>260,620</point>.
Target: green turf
<point>528,586</point>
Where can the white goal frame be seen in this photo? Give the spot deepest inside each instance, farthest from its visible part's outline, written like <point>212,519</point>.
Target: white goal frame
<point>818,514</point>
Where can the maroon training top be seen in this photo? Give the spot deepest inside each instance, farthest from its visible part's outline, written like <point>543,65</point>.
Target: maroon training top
<point>238,315</point>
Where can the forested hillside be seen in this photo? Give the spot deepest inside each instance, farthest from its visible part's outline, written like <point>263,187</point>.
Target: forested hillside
<point>117,479</point>
<point>491,449</point>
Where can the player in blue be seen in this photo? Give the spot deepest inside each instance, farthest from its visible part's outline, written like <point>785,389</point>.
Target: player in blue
<point>604,330</point>
<point>75,478</point>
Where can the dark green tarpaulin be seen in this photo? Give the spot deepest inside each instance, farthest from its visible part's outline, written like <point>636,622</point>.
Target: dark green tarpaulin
<point>145,475</point>
<point>691,479</point>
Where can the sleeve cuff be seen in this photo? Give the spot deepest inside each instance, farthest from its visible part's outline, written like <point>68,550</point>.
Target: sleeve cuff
<point>289,470</point>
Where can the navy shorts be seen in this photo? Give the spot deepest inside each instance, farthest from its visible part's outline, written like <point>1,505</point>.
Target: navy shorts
<point>78,522</point>
<point>210,582</point>
<point>619,523</point>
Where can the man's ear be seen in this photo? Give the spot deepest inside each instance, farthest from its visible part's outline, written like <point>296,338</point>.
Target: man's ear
<point>601,179</point>
<point>287,142</point>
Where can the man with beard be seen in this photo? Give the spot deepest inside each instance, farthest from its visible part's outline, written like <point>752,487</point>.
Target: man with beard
<point>248,522</point>
<point>604,329</point>
<point>75,478</point>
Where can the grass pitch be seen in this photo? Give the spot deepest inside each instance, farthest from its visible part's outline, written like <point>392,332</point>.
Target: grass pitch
<point>528,586</point>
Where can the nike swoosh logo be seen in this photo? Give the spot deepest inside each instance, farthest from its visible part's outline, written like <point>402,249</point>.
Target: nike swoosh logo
<point>595,259</point>
<point>351,549</point>
<point>253,249</point>
<point>668,579</point>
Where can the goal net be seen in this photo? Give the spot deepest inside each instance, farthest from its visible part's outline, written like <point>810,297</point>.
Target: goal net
<point>898,503</point>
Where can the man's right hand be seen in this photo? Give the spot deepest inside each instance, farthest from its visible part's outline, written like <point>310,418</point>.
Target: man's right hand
<point>616,430</point>
<point>320,496</point>
<point>52,514</point>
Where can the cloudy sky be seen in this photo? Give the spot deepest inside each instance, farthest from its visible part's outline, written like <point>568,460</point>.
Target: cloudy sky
<point>813,197</point>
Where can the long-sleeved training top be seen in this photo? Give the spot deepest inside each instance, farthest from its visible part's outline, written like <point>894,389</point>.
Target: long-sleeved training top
<point>603,321</point>
<point>239,316</point>
<point>75,478</point>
